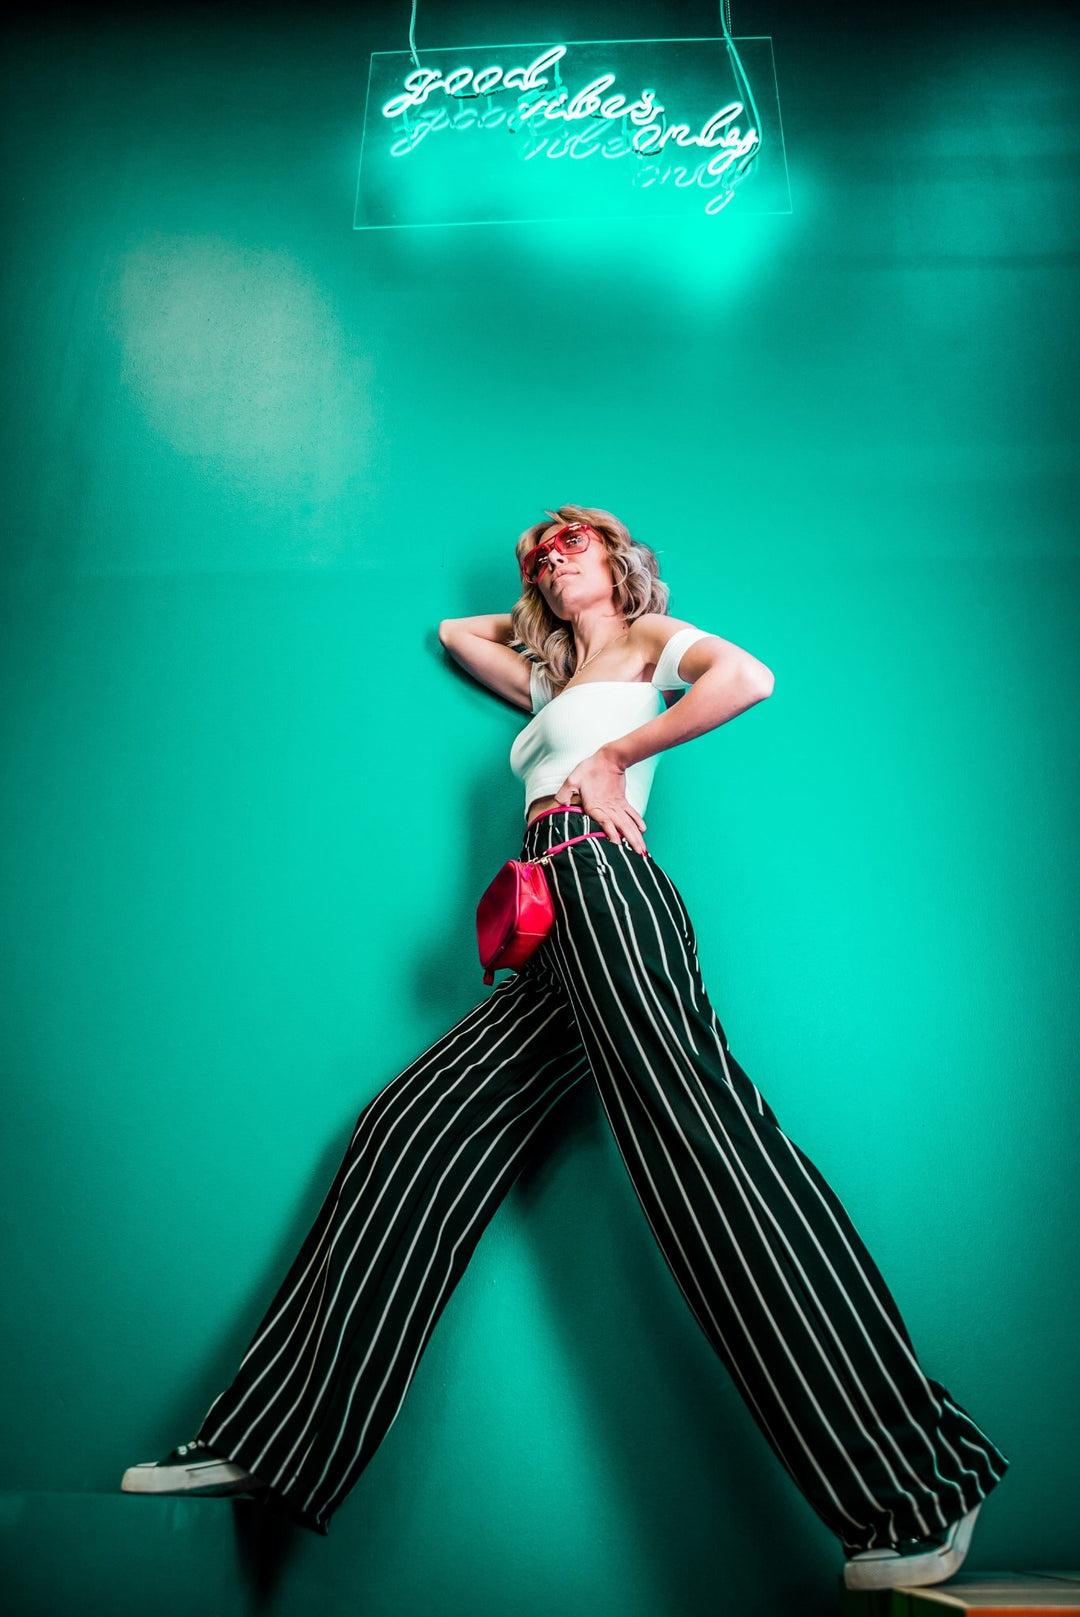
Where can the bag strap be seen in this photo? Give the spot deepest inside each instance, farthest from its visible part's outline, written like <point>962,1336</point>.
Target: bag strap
<point>559,846</point>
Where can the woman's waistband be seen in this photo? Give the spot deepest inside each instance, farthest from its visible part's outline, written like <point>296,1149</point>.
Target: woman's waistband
<point>555,825</point>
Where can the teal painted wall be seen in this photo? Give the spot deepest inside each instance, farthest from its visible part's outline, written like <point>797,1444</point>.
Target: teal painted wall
<point>253,458</point>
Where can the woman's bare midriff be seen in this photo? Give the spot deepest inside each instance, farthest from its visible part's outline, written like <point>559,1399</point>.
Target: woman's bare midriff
<point>542,803</point>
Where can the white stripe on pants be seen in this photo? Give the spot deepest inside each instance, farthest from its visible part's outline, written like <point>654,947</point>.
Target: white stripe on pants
<point>761,1248</point>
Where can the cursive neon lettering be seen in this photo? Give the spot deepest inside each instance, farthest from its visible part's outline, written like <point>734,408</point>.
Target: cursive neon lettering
<point>680,134</point>
<point>529,109</point>
<point>645,110</point>
<point>462,81</point>
<point>425,125</point>
<point>486,80</point>
<point>417,86</point>
<point>644,135</point>
<point>457,81</point>
<point>530,78</point>
<point>586,104</point>
<point>717,122</point>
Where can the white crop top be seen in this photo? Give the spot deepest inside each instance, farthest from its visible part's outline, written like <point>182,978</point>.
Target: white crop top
<point>573,725</point>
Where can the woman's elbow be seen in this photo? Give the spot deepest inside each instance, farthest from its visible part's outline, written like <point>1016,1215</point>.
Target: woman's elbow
<point>446,631</point>
<point>758,679</point>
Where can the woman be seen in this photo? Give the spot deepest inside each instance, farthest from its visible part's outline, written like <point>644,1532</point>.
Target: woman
<point>760,1246</point>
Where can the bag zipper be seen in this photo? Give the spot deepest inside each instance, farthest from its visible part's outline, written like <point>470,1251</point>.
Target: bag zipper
<point>545,859</point>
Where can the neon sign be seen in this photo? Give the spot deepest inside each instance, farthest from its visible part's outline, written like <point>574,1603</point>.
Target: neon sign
<point>472,137</point>
<point>463,81</point>
<point>650,135</point>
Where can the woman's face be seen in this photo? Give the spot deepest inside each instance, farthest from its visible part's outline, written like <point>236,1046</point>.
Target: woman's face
<point>569,584</point>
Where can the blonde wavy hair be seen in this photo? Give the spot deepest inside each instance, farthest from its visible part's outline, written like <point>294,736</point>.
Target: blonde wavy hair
<point>637,589</point>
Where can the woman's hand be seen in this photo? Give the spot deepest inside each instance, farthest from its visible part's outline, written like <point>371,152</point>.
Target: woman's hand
<point>600,786</point>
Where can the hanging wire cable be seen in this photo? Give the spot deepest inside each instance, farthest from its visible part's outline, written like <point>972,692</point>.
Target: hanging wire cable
<point>412,35</point>
<point>740,78</point>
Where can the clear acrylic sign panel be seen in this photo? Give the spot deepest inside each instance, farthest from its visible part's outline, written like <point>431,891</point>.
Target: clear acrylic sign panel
<point>584,130</point>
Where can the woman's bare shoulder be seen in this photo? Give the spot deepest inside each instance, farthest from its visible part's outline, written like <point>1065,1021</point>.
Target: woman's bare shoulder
<point>651,632</point>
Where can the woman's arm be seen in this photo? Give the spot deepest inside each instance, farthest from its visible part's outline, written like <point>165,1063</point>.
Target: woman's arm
<point>725,681</point>
<point>482,646</point>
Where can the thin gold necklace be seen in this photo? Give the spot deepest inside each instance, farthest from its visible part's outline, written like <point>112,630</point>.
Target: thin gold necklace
<point>604,647</point>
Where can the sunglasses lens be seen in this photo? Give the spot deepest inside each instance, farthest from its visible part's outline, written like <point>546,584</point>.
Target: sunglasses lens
<point>570,541</point>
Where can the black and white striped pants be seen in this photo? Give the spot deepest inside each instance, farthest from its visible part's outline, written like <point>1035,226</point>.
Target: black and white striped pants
<point>760,1246</point>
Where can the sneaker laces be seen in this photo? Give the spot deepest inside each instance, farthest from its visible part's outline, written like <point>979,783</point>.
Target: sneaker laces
<point>909,1546</point>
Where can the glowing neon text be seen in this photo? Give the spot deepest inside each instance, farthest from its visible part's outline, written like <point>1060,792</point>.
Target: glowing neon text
<point>618,128</point>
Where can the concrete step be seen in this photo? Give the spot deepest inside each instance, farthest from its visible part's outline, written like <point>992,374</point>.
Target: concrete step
<point>62,1554</point>
<point>990,1594</point>
<point>122,1555</point>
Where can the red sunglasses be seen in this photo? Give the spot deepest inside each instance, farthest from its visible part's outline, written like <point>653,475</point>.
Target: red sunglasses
<point>571,540</point>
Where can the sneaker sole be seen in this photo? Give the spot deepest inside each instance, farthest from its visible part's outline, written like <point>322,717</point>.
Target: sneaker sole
<point>914,1571</point>
<point>204,1477</point>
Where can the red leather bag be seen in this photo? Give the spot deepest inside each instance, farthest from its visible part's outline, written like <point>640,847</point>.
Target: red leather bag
<point>515,914</point>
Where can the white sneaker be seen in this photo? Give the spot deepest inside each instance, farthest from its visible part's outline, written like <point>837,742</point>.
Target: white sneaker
<point>910,1568</point>
<point>192,1468</point>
